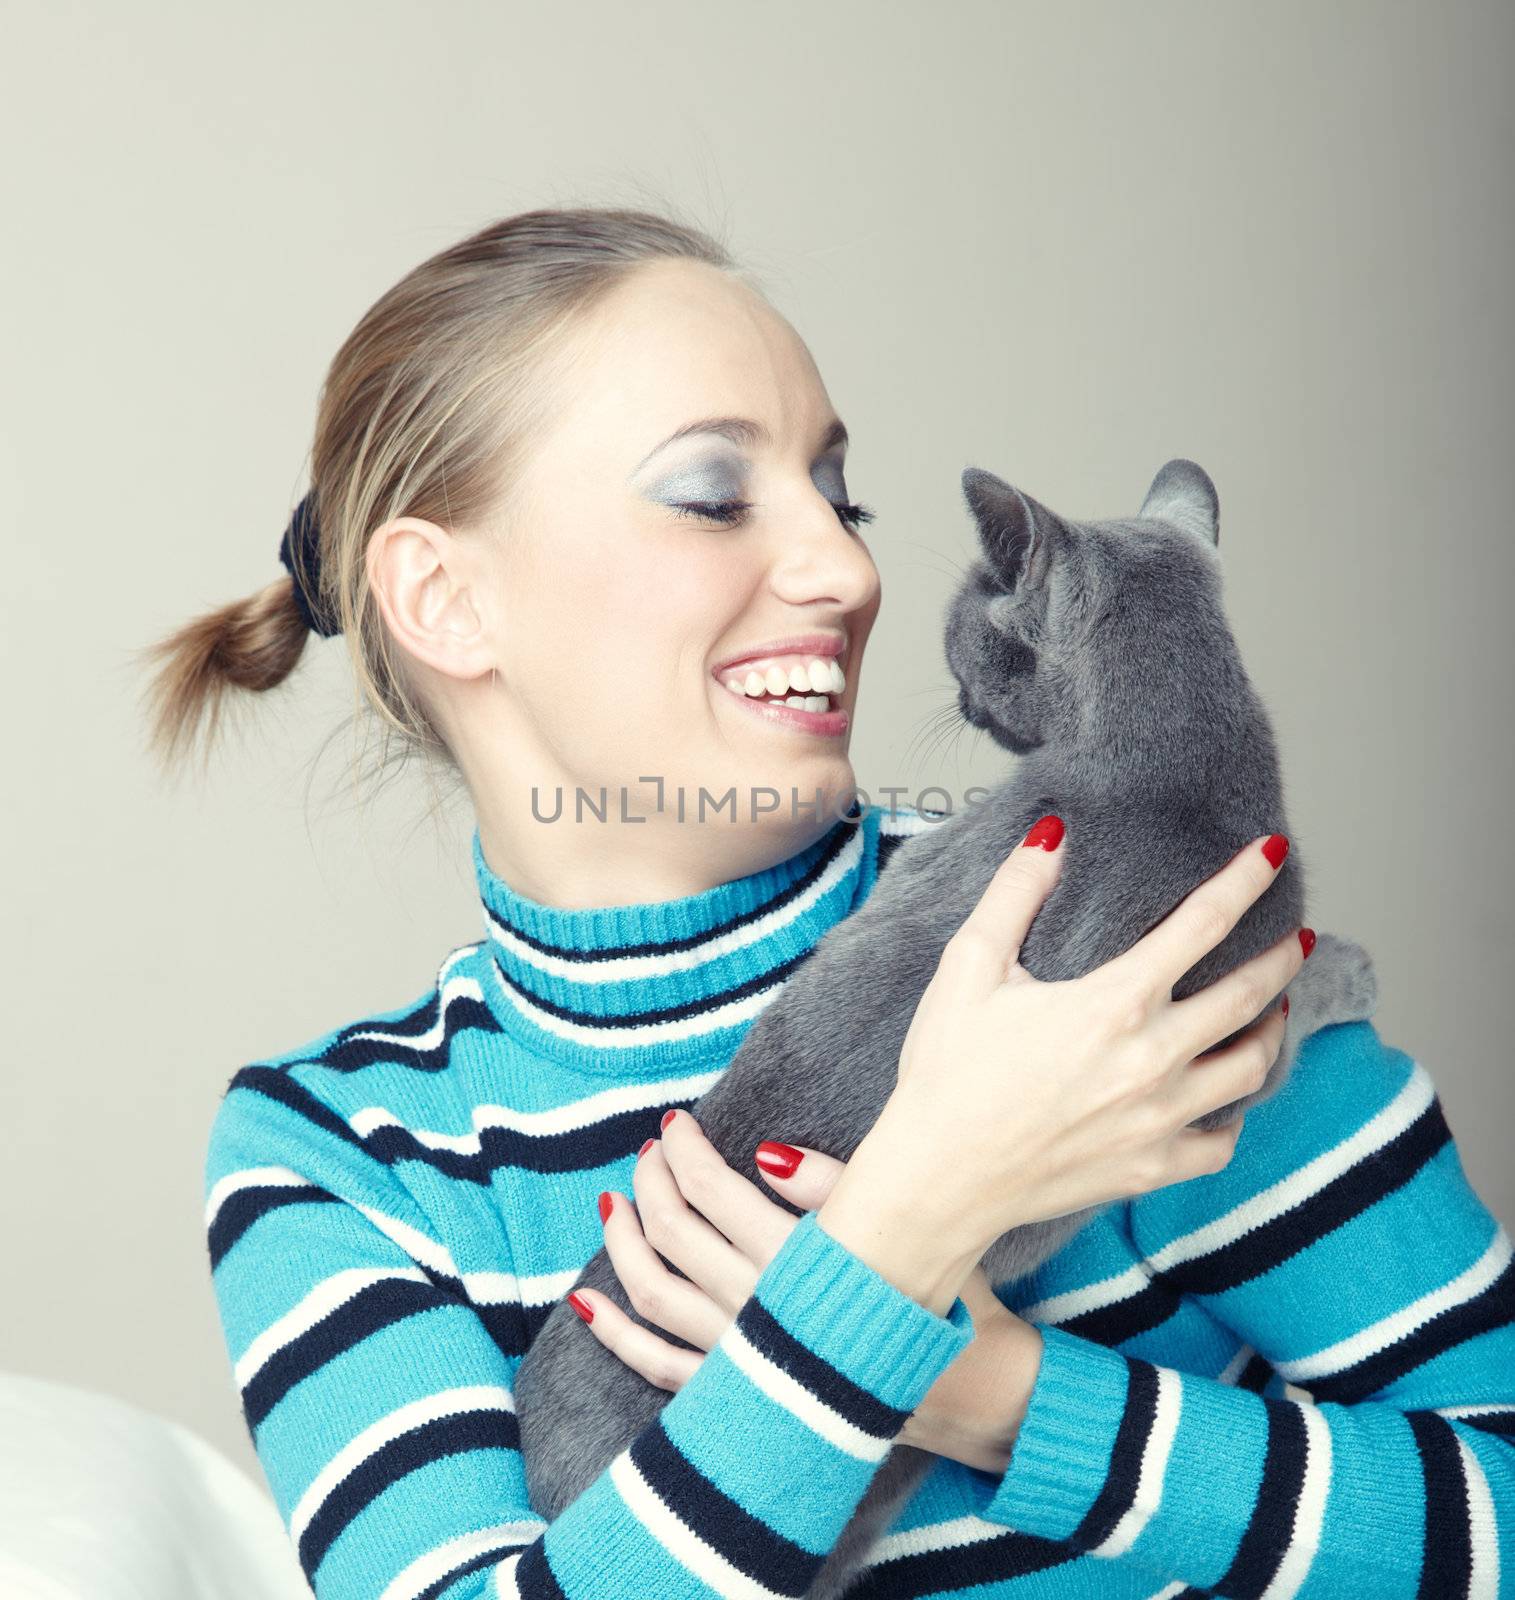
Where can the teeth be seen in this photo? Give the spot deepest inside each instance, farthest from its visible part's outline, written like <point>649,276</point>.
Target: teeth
<point>805,683</point>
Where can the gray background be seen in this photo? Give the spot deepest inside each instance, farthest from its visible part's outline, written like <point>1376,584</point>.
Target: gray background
<point>1064,243</point>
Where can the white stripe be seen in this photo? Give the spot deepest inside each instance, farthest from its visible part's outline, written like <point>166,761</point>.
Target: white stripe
<point>452,989</point>
<point>449,1402</point>
<point>573,1116</point>
<point>949,1535</point>
<point>1479,1409</point>
<point>436,1564</point>
<point>417,1245</point>
<point>1168,1590</point>
<point>626,969</point>
<point>1154,1467</point>
<point>1292,1391</point>
<point>785,1390</point>
<point>527,1289</point>
<point>1299,1185</point>
<point>616,1035</point>
<point>1483,1527</point>
<point>252,1178</point>
<point>325,1298</point>
<point>1091,1297</point>
<point>1379,1335</point>
<point>904,822</point>
<point>1309,1513</point>
<point>680,1540</point>
<point>1237,1365</point>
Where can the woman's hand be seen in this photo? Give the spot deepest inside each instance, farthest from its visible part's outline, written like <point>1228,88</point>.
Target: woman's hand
<point>721,1231</point>
<point>1019,1100</point>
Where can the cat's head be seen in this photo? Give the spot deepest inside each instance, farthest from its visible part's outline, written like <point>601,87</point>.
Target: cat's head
<point>1064,627</point>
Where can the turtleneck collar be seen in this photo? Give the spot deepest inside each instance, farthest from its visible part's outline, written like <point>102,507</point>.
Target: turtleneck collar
<point>618,989</point>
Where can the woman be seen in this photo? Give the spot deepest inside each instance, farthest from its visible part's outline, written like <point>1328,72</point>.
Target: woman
<point>580,512</point>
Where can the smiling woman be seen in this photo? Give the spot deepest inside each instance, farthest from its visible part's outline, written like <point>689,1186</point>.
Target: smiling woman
<point>579,511</point>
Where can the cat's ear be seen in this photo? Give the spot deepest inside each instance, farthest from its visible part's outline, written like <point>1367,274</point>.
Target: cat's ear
<point>1183,493</point>
<point>1019,534</point>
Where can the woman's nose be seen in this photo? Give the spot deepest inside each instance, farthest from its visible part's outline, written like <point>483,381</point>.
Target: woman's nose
<point>821,559</point>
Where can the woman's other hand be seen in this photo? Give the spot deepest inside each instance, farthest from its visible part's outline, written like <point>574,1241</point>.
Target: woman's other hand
<point>720,1231</point>
<point>1019,1099</point>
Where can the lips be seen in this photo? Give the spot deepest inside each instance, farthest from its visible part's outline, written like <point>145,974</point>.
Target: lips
<point>827,646</point>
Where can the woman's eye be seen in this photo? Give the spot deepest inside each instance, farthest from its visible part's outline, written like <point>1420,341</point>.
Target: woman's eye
<point>732,511</point>
<point>714,510</point>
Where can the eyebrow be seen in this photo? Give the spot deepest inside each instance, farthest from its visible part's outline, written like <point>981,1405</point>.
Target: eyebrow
<point>742,431</point>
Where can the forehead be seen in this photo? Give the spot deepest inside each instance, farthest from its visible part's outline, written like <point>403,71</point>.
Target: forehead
<point>679,340</point>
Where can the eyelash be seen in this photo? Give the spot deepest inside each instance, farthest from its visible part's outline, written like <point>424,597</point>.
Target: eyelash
<point>731,511</point>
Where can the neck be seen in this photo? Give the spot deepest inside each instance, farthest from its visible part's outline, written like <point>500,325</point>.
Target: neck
<point>616,983</point>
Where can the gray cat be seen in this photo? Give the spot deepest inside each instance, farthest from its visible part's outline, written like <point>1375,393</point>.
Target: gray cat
<point>1099,653</point>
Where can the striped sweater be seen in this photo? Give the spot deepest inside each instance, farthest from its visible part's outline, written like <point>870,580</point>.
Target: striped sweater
<point>1295,1376</point>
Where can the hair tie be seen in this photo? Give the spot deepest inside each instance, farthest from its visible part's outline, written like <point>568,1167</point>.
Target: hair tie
<point>303,533</point>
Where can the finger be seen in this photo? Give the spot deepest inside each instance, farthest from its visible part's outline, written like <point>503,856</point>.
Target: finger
<point>988,942</point>
<point>1201,1020</point>
<point>660,1363</point>
<point>1198,923</point>
<point>748,1226</point>
<point>676,1230</point>
<point>1197,1152</point>
<point>803,1176</point>
<point>657,1295</point>
<point>1212,1081</point>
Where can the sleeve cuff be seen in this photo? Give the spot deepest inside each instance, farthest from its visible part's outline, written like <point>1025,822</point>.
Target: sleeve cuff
<point>857,1321</point>
<point>1060,1459</point>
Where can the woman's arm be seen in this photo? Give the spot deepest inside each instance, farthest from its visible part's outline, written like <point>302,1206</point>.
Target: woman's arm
<point>1345,1245</point>
<point>380,1403</point>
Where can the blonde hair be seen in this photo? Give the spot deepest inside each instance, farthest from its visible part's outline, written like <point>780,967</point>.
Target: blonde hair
<point>424,411</point>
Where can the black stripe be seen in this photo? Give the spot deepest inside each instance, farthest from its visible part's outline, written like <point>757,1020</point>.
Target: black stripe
<point>997,1559</point>
<point>833,1388</point>
<point>618,1020</point>
<point>275,1083</point>
<point>486,1558</point>
<point>1493,1308</point>
<point>751,1545</point>
<point>1118,1493</point>
<point>1446,1567</point>
<point>417,1448</point>
<point>350,1053</point>
<point>1255,1374</point>
<point>1347,1195</point>
<point>534,1578</point>
<point>378,1305</point>
<point>1500,1423</point>
<point>1123,1319</point>
<point>596,1144</point>
<point>1266,1541</point>
<point>830,847</point>
<point>239,1211</point>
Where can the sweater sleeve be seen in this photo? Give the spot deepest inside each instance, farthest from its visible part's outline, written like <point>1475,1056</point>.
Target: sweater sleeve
<point>1345,1246</point>
<point>380,1403</point>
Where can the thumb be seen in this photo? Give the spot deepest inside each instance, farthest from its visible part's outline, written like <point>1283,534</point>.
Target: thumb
<point>803,1176</point>
<point>988,943</point>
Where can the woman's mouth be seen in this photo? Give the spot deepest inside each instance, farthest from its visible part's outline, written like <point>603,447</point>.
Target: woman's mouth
<point>794,691</point>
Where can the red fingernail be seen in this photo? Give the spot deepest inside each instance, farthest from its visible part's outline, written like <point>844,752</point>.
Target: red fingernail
<point>1275,848</point>
<point>1286,1005</point>
<point>607,1200</point>
<point>583,1307</point>
<point>778,1159</point>
<point>1048,833</point>
<point>1307,939</point>
<point>645,1148</point>
<point>668,1117</point>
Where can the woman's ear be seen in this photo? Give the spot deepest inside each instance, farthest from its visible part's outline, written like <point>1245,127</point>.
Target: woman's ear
<point>424,586</point>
